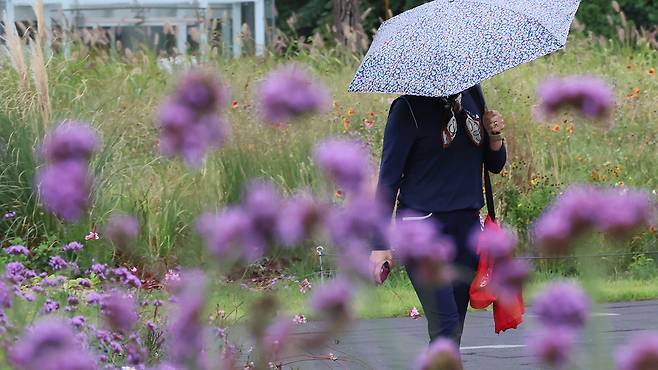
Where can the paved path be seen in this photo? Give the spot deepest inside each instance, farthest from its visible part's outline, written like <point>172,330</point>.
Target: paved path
<point>393,343</point>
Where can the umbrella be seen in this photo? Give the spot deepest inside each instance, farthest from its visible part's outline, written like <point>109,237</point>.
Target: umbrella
<point>446,46</point>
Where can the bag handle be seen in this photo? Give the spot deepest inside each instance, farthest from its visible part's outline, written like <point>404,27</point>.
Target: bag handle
<point>488,190</point>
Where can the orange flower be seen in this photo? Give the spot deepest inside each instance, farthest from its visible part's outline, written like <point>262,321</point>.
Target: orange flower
<point>350,112</point>
<point>372,114</point>
<point>620,184</point>
<point>570,129</point>
<point>234,104</point>
<point>339,194</point>
<point>504,173</point>
<point>595,175</point>
<point>651,72</point>
<point>346,123</point>
<point>634,93</point>
<point>556,127</point>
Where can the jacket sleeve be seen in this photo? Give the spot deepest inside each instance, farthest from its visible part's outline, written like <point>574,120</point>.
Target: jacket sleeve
<point>399,137</point>
<point>494,160</point>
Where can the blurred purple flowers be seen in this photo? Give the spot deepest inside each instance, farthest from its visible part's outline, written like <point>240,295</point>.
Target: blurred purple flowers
<point>591,96</point>
<point>70,141</point>
<point>562,304</point>
<point>333,300</point>
<point>119,311</point>
<point>640,354</point>
<point>186,327</point>
<point>442,354</point>
<point>17,249</point>
<point>50,345</point>
<point>617,212</point>
<point>289,92</point>
<point>418,242</point>
<point>301,215</point>
<point>553,346</point>
<point>344,161</point>
<point>190,121</point>
<point>121,230</point>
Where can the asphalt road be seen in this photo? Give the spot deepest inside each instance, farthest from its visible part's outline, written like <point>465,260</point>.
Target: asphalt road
<point>394,343</point>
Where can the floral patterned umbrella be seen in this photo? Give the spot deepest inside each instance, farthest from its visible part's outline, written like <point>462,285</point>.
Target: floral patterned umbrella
<point>446,46</point>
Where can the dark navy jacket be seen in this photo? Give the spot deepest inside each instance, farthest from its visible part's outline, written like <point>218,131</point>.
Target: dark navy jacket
<point>432,178</point>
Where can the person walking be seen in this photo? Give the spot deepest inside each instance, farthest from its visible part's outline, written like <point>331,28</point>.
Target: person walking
<point>432,163</point>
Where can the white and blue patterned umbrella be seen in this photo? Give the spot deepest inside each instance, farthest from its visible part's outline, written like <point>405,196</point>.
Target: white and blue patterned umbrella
<point>446,46</point>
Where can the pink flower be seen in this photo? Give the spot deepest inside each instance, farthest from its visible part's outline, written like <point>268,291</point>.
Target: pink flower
<point>562,304</point>
<point>414,314</point>
<point>553,346</point>
<point>442,354</point>
<point>92,236</point>
<point>591,96</point>
<point>299,319</point>
<point>304,286</point>
<point>640,354</point>
<point>509,277</point>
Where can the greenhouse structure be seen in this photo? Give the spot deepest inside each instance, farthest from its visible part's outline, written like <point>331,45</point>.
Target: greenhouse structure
<point>182,23</point>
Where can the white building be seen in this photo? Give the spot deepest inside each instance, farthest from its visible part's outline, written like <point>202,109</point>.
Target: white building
<point>132,20</point>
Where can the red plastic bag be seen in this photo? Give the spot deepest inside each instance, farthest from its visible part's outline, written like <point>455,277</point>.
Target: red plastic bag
<point>481,296</point>
<point>506,316</point>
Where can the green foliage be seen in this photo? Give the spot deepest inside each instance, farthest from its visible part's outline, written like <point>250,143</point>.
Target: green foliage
<point>594,14</point>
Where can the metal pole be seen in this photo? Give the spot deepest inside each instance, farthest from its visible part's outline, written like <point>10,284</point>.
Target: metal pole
<point>320,251</point>
<point>259,20</point>
<point>236,20</point>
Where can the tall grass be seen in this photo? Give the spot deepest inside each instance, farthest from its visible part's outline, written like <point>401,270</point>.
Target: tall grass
<point>119,97</point>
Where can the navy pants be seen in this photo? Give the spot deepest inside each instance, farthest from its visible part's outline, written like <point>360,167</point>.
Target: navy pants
<point>445,306</point>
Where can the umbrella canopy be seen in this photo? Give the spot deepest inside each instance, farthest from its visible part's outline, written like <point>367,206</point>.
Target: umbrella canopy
<point>446,46</point>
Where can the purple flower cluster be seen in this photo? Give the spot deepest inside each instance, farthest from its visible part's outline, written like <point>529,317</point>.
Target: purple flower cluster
<point>17,249</point>
<point>302,215</point>
<point>344,161</point>
<point>64,182</point>
<point>121,230</point>
<point>189,121</point>
<point>290,92</point>
<point>72,247</point>
<point>553,346</point>
<point>591,96</point>
<point>50,345</point>
<point>562,303</point>
<point>16,272</point>
<point>509,277</point>
<point>5,296</point>
<point>442,354</point>
<point>9,215</point>
<point>57,263</point>
<point>497,243</point>
<point>334,300</point>
<point>186,337</point>
<point>580,208</point>
<point>119,311</point>
<point>640,354</point>
<point>562,309</point>
<point>418,242</point>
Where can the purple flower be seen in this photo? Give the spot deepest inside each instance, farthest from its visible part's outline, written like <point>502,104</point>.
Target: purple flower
<point>53,281</point>
<point>50,344</point>
<point>121,230</point>
<point>50,306</point>
<point>201,91</point>
<point>77,321</point>
<point>5,296</point>
<point>442,354</point>
<point>302,214</point>
<point>553,346</point>
<point>9,215</point>
<point>119,311</point>
<point>562,303</point>
<point>496,242</point>
<point>70,141</point>
<point>98,269</point>
<point>344,161</point>
<point>580,208</point>
<point>16,273</point>
<point>151,326</point>
<point>57,263</point>
<point>289,92</point>
<point>419,242</point>
<point>640,354</point>
<point>72,300</point>
<point>361,221</point>
<point>85,283</point>
<point>126,277</point>
<point>185,134</point>
<point>64,189</point>
<point>72,246</point>
<point>262,202</point>
<point>277,336</point>
<point>230,236</point>
<point>186,325</point>
<point>509,277</point>
<point>334,300</point>
<point>93,298</point>
<point>591,96</point>
<point>17,249</point>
